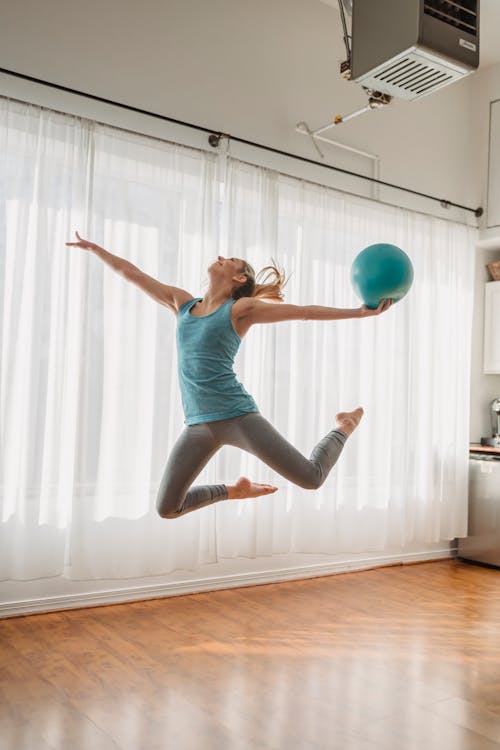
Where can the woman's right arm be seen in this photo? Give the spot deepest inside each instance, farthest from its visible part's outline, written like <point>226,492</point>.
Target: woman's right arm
<point>169,296</point>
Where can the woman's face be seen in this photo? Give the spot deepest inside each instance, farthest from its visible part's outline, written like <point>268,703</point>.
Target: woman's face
<point>227,268</point>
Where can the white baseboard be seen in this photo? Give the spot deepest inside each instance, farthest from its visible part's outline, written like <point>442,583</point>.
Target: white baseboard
<point>213,583</point>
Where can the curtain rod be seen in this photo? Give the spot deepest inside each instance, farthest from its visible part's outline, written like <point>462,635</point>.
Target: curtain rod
<point>214,137</point>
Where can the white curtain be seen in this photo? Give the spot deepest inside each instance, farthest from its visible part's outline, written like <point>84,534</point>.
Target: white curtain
<point>88,384</point>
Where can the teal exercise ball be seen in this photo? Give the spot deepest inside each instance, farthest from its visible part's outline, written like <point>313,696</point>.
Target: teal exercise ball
<point>380,272</point>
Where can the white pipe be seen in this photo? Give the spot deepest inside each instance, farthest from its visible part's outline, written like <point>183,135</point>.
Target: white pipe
<point>339,120</point>
<point>303,127</point>
<point>347,148</point>
<point>335,143</point>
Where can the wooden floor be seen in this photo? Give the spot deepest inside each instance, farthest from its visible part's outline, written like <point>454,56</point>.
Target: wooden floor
<point>403,657</point>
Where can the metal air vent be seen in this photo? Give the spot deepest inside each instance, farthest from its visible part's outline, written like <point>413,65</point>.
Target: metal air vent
<point>461,14</point>
<point>410,48</point>
<point>411,75</point>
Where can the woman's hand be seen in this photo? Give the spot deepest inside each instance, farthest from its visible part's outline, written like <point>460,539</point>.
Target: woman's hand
<point>384,305</point>
<point>84,244</point>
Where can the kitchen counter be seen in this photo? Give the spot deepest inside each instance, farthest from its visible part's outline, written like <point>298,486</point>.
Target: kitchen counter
<point>476,448</point>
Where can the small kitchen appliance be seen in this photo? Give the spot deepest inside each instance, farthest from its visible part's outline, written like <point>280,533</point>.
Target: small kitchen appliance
<point>494,440</point>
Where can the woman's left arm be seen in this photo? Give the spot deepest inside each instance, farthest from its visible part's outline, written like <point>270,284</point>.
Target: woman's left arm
<point>268,312</point>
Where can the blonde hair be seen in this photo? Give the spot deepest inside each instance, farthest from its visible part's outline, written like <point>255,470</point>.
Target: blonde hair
<point>267,284</point>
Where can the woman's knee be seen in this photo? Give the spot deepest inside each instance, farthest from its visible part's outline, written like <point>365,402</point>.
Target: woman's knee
<point>167,506</point>
<point>313,480</point>
<point>166,512</point>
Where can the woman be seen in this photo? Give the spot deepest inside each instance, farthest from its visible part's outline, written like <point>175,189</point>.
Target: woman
<point>218,410</point>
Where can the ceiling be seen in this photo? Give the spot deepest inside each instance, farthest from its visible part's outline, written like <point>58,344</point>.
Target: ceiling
<point>489,30</point>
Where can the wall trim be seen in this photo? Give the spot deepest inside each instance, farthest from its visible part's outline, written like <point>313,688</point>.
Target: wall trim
<point>199,585</point>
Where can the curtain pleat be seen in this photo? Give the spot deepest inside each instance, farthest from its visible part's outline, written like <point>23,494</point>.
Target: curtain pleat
<point>88,384</point>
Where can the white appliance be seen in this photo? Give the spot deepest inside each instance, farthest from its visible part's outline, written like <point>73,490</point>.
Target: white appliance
<point>483,541</point>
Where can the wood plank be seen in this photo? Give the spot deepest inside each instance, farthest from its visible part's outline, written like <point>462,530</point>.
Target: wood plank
<point>466,714</point>
<point>418,728</point>
<point>405,656</point>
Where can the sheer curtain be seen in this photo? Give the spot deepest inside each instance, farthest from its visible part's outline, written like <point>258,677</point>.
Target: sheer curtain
<point>88,384</point>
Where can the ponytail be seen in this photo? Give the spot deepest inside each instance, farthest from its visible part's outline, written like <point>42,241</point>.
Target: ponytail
<point>268,284</point>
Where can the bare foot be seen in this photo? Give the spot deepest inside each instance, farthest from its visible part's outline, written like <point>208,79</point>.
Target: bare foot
<point>245,488</point>
<point>347,421</point>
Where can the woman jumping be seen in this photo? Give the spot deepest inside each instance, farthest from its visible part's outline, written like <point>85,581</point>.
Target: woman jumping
<point>218,410</point>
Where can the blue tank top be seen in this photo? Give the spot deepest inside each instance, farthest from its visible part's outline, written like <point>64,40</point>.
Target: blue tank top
<point>206,348</point>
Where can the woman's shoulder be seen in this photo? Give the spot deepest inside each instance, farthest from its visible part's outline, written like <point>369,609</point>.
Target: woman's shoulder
<point>242,306</point>
<point>187,303</point>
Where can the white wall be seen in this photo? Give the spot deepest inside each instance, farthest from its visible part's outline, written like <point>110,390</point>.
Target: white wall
<point>484,388</point>
<point>251,69</point>
<point>486,90</point>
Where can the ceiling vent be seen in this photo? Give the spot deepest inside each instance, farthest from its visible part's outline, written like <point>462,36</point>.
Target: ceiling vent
<point>410,48</point>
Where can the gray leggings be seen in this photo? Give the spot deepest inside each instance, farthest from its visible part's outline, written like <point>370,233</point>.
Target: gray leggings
<point>251,432</point>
